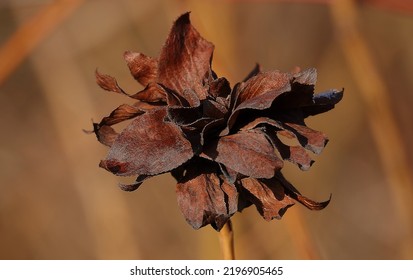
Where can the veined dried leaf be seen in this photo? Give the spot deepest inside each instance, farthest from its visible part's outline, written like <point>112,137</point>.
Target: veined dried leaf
<point>219,88</point>
<point>268,197</point>
<point>103,130</point>
<point>152,93</point>
<point>306,77</point>
<point>246,152</point>
<point>148,146</point>
<point>108,83</point>
<point>120,114</point>
<point>202,200</point>
<point>105,134</point>
<point>143,68</point>
<point>293,153</point>
<point>311,139</point>
<point>256,91</point>
<point>185,59</point>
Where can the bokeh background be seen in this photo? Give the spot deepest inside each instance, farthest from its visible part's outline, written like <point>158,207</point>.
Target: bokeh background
<point>56,203</point>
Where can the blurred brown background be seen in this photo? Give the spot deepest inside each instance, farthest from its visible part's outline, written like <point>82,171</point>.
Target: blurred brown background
<point>56,203</point>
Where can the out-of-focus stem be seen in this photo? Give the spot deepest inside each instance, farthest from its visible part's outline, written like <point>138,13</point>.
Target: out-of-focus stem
<point>32,32</point>
<point>383,124</point>
<point>226,238</point>
<point>301,236</point>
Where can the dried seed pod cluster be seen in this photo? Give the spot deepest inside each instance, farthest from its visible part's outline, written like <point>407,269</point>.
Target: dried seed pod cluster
<point>224,146</point>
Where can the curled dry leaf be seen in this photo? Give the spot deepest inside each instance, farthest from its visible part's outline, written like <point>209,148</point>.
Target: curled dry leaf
<point>204,198</point>
<point>225,147</point>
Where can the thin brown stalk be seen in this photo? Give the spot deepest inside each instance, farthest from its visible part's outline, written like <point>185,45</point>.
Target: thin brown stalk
<point>385,130</point>
<point>32,32</point>
<point>301,236</point>
<point>226,238</point>
<point>108,220</point>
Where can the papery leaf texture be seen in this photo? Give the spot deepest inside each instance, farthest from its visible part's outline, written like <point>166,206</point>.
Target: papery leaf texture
<point>225,146</point>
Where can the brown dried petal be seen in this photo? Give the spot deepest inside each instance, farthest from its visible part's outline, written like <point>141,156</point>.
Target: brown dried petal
<point>246,152</point>
<point>295,194</point>
<point>184,115</point>
<point>213,109</point>
<point>148,146</point>
<point>301,94</point>
<point>329,97</point>
<point>231,197</point>
<point>135,185</point>
<point>234,95</point>
<point>143,68</point>
<point>275,131</point>
<point>230,175</point>
<point>190,98</point>
<point>258,93</point>
<point>209,129</point>
<point>293,153</point>
<point>253,89</point>
<point>311,204</point>
<point>202,201</point>
<point>108,83</point>
<point>185,59</point>
<point>310,139</point>
<point>260,102</point>
<point>145,106</point>
<point>120,114</point>
<point>173,99</point>
<point>306,77</point>
<point>262,121</point>
<point>152,93</point>
<point>219,88</point>
<point>105,134</point>
<point>302,97</point>
<point>268,196</point>
<point>323,102</point>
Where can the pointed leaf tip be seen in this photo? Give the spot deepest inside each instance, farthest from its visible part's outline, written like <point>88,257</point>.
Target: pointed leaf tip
<point>329,97</point>
<point>306,77</point>
<point>185,59</point>
<point>108,83</point>
<point>183,19</point>
<point>311,204</point>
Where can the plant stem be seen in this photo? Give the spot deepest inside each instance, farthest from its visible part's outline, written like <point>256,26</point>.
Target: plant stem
<point>301,236</point>
<point>385,129</point>
<point>226,239</point>
<point>32,32</point>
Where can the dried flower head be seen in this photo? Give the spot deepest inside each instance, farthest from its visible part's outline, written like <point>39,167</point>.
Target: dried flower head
<point>225,147</point>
